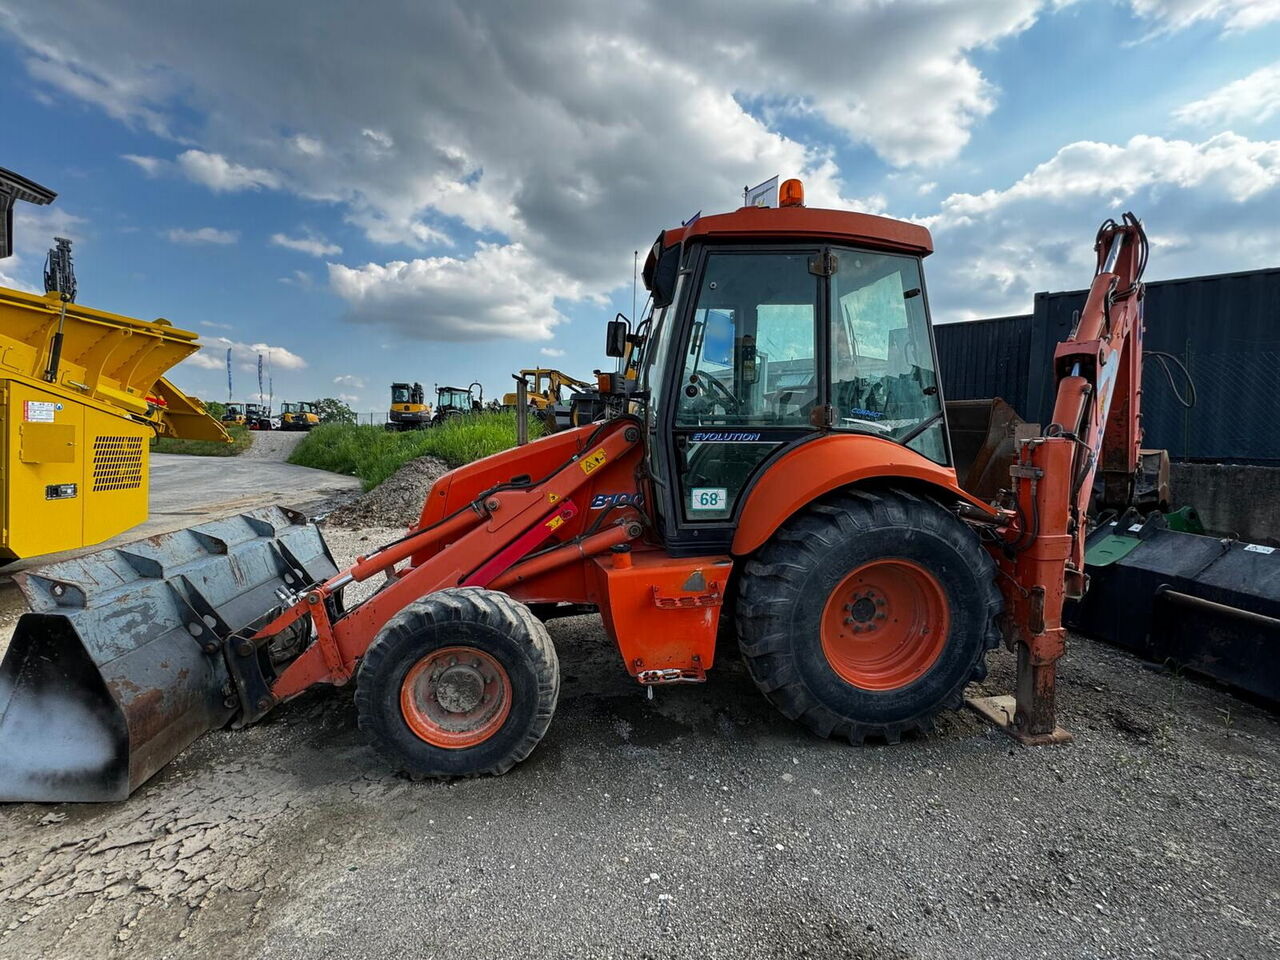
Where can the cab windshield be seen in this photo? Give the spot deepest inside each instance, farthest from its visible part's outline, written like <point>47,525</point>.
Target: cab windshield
<point>455,398</point>
<point>400,394</point>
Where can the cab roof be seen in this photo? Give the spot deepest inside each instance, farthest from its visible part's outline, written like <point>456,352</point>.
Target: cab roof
<point>807,223</point>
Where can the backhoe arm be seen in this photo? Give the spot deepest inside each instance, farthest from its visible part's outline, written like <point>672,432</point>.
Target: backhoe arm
<point>1099,375</point>
<point>1096,425</point>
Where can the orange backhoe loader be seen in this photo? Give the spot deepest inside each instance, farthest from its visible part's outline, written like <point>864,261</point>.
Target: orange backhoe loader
<point>778,462</point>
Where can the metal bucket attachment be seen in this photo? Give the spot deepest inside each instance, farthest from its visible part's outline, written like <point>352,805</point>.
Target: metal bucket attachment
<point>984,443</point>
<point>123,660</point>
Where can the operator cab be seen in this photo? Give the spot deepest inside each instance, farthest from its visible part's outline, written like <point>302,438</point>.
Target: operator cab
<point>763,337</point>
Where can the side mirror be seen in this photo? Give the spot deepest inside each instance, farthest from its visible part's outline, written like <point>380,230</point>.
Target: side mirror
<point>615,338</point>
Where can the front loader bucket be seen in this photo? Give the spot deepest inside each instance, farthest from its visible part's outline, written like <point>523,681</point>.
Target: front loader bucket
<point>123,660</point>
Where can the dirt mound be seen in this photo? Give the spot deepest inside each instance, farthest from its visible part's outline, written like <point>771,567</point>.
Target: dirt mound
<point>397,501</point>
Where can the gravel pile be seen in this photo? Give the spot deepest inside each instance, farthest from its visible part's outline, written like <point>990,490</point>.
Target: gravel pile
<point>397,501</point>
<point>272,444</point>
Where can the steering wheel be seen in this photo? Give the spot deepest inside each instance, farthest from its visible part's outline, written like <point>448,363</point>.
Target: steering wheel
<point>730,399</point>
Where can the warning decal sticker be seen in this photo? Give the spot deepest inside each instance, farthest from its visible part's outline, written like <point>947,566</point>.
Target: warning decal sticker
<point>39,411</point>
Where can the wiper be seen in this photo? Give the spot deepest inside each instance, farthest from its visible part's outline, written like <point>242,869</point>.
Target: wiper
<point>920,428</point>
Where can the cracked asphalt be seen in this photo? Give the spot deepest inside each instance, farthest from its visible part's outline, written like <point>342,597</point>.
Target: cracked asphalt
<point>700,824</point>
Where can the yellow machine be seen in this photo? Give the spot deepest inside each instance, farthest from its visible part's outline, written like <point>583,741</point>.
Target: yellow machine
<point>234,413</point>
<point>82,392</point>
<point>74,449</point>
<point>409,408</point>
<point>544,392</point>
<point>544,386</point>
<point>298,416</point>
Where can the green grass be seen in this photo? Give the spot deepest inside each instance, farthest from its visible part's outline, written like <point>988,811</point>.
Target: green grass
<point>240,436</point>
<point>374,453</point>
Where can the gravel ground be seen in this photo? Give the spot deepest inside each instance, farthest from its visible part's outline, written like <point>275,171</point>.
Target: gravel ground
<point>396,502</point>
<point>700,823</point>
<point>272,444</point>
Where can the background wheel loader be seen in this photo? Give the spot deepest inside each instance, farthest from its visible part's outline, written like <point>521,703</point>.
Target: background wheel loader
<point>233,414</point>
<point>779,458</point>
<point>544,390</point>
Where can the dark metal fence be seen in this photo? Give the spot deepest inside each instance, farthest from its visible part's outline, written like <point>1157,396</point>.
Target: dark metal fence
<point>1224,328</point>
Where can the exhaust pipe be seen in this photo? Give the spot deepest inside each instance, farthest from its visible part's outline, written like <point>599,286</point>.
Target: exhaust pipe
<point>131,653</point>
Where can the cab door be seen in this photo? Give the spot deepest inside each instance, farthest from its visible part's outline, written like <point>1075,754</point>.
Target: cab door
<point>746,382</point>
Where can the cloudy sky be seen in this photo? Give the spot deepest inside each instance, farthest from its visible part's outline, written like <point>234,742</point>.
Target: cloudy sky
<point>400,190</point>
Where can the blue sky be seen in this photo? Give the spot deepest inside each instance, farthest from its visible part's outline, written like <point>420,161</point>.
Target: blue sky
<point>450,194</point>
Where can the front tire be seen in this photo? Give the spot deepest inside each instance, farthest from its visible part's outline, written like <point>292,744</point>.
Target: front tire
<point>464,682</point>
<point>867,614</point>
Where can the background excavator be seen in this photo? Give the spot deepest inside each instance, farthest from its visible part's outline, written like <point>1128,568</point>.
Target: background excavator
<point>298,415</point>
<point>777,460</point>
<point>409,408</point>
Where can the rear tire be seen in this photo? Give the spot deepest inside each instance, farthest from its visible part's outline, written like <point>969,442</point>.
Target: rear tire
<point>909,576</point>
<point>463,682</point>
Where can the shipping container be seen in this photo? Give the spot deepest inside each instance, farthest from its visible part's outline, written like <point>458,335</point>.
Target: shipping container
<point>986,358</point>
<point>1224,328</point>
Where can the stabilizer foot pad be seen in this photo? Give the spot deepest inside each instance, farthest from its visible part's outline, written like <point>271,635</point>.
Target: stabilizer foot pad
<point>999,711</point>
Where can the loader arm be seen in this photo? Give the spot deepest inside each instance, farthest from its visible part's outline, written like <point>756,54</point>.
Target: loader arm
<point>1096,425</point>
<point>484,539</point>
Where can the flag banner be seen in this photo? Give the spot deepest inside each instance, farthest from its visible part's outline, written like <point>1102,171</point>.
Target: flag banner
<point>762,195</point>
<point>230,392</point>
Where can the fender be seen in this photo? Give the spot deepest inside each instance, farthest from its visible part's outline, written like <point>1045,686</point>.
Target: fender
<point>828,463</point>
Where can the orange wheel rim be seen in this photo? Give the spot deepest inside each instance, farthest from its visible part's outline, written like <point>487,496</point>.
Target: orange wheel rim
<point>885,624</point>
<point>456,697</point>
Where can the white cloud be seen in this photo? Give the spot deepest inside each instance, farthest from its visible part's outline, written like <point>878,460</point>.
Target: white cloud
<point>1251,99</point>
<point>124,92</point>
<point>1236,16</point>
<point>215,326</point>
<point>299,278</point>
<point>551,352</point>
<point>502,291</point>
<point>350,399</point>
<point>1208,207</point>
<point>149,165</point>
<point>571,136</point>
<point>221,175</point>
<point>310,243</point>
<point>244,356</point>
<point>202,235</point>
<point>350,380</point>
<point>309,146</point>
